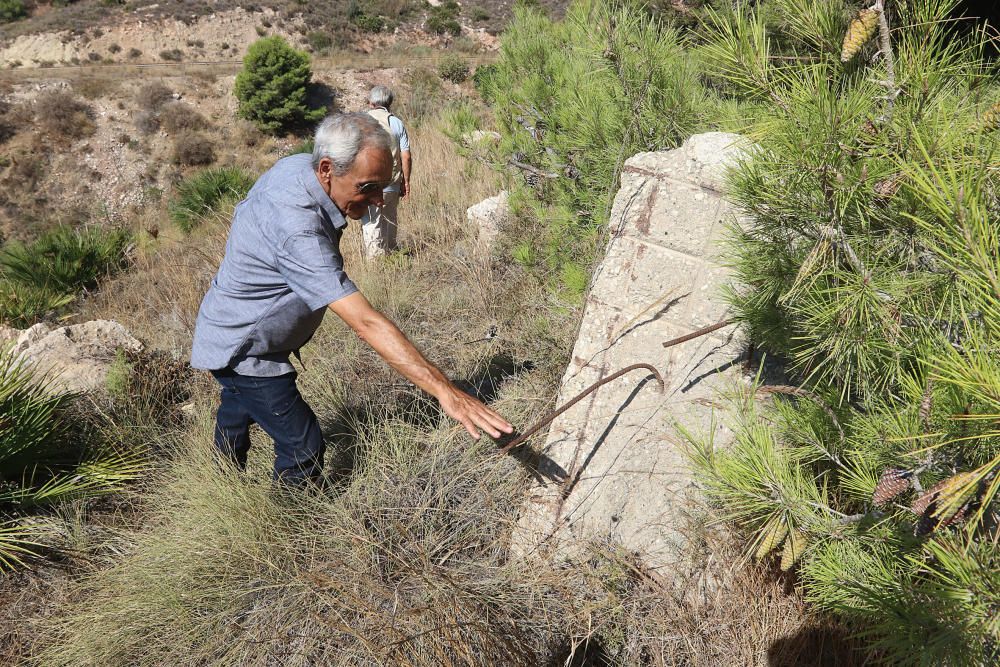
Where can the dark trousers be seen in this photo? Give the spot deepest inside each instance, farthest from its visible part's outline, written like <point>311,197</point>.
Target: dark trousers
<point>275,404</point>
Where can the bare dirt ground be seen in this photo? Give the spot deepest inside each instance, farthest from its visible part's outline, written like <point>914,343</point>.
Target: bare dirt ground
<point>148,36</point>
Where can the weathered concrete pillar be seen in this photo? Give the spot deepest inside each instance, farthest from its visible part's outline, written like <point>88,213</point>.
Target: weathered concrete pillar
<point>624,474</point>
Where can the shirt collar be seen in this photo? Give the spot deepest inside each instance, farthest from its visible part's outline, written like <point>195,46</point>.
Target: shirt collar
<point>315,191</point>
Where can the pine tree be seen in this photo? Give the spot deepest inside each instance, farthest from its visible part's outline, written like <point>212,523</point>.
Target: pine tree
<point>869,262</point>
<point>271,87</point>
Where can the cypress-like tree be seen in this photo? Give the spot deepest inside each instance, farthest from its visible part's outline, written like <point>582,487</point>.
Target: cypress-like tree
<point>271,87</point>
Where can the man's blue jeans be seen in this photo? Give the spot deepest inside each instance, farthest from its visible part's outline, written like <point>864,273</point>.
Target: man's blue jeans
<point>275,404</point>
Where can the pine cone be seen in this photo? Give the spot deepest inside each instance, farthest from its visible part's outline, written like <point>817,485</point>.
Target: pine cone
<point>924,500</point>
<point>795,544</point>
<point>869,128</point>
<point>774,531</point>
<point>928,507</point>
<point>888,187</point>
<point>991,119</point>
<point>891,484</point>
<point>858,33</point>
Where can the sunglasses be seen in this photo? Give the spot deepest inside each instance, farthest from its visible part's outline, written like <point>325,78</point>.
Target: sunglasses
<point>370,187</point>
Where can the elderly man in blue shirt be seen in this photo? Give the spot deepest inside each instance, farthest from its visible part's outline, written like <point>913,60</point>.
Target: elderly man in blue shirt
<point>281,272</point>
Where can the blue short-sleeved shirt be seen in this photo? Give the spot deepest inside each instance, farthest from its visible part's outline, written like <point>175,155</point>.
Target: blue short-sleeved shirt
<point>281,270</point>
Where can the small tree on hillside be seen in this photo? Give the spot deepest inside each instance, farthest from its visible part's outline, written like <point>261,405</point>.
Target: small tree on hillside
<point>271,87</point>
<point>12,10</point>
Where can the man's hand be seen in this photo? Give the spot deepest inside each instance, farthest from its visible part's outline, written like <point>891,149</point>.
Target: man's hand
<point>404,189</point>
<point>473,414</point>
<point>390,343</point>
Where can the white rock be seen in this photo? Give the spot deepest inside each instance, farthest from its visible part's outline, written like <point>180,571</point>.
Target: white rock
<point>489,216</point>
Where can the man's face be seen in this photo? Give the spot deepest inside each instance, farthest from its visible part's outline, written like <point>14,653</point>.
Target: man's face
<point>362,185</point>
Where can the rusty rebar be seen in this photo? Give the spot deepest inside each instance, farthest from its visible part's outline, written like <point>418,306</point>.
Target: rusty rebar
<point>576,399</point>
<point>550,417</point>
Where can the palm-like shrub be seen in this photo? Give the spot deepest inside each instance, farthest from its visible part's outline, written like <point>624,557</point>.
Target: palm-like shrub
<point>869,262</point>
<point>208,192</point>
<point>45,275</point>
<point>40,463</point>
<point>66,259</point>
<point>271,87</point>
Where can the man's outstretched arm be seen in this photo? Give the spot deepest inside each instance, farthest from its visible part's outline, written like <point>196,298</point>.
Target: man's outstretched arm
<point>397,350</point>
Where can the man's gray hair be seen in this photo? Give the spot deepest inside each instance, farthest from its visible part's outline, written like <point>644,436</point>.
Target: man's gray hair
<point>342,136</point>
<point>380,96</point>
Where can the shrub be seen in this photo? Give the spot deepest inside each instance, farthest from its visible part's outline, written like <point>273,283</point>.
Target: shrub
<point>319,41</point>
<point>134,53</point>
<point>114,48</point>
<point>443,24</point>
<point>39,462</point>
<point>8,124</point>
<point>147,122</point>
<point>207,193</point>
<point>12,10</point>
<point>172,55</point>
<point>152,96</point>
<point>192,149</point>
<point>23,305</point>
<point>454,68</point>
<point>178,116</point>
<point>482,79</point>
<point>271,87</point>
<point>444,18</point>
<point>368,22</point>
<point>59,113</point>
<point>65,259</point>
<point>560,114</point>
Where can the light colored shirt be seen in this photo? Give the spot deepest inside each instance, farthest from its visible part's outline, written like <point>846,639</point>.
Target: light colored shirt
<point>281,270</point>
<point>399,130</point>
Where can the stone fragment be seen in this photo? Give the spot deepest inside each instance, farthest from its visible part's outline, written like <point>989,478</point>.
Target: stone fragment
<point>78,356</point>
<point>618,471</point>
<point>488,217</point>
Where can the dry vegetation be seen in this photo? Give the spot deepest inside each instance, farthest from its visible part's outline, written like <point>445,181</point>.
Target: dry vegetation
<point>404,560</point>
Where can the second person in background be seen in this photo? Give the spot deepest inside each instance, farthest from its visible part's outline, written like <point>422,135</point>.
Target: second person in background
<point>380,223</point>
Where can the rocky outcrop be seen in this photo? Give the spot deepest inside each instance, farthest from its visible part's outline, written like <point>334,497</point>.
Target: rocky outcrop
<point>77,357</point>
<point>488,217</point>
<point>614,460</point>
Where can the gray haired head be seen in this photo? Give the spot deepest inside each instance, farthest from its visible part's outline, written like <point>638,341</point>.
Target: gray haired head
<point>342,137</point>
<point>380,96</point>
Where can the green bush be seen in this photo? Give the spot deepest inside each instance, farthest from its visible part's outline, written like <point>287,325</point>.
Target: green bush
<point>12,10</point>
<point>363,20</point>
<point>482,79</point>
<point>319,41</point>
<point>206,193</point>
<point>22,305</point>
<point>41,461</point>
<point>575,98</point>
<point>65,260</point>
<point>868,261</point>
<point>271,87</point>
<point>453,68</point>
